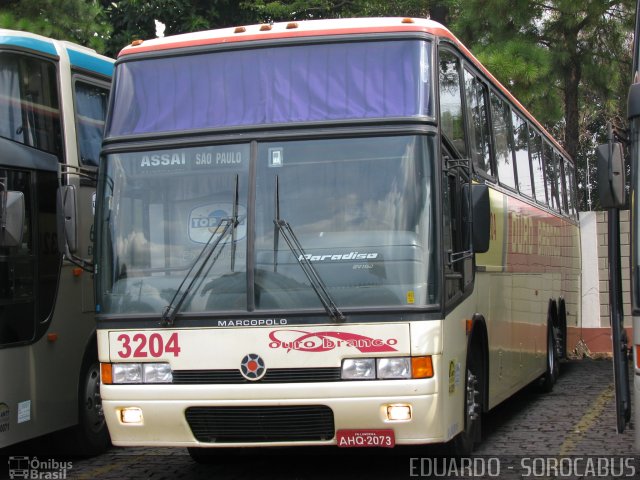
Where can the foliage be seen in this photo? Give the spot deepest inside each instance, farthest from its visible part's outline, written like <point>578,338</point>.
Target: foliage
<point>568,62</point>
<point>283,10</point>
<point>80,21</point>
<point>135,19</point>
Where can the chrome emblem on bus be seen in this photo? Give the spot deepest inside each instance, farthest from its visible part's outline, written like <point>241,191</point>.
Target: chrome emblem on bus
<point>252,367</point>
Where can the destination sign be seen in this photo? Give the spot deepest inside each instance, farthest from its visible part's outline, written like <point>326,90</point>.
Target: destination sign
<point>234,157</point>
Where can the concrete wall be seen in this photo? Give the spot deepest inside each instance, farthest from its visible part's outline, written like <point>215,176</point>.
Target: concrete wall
<point>595,330</point>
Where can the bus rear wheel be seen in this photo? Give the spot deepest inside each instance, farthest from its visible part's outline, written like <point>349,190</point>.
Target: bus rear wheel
<point>552,372</point>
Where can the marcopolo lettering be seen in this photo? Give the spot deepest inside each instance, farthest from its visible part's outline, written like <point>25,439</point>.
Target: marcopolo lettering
<point>254,322</point>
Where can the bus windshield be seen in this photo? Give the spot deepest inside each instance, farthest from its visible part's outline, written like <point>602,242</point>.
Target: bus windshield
<point>362,210</point>
<point>273,85</point>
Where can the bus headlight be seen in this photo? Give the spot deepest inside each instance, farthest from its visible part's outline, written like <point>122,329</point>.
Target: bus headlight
<point>156,373</point>
<point>391,368</point>
<point>129,373</point>
<point>359,369</point>
<point>395,367</point>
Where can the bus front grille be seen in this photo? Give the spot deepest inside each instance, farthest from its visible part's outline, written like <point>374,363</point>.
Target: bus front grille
<point>261,424</point>
<point>274,375</point>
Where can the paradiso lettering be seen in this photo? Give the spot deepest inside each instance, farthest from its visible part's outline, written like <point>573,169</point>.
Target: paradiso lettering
<point>325,341</point>
<point>337,257</point>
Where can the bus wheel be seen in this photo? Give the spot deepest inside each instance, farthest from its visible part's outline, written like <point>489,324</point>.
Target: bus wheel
<point>560,330</point>
<point>91,433</point>
<point>553,367</point>
<point>464,443</point>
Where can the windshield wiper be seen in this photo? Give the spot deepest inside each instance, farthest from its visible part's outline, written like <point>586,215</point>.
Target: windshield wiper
<point>230,224</point>
<point>170,312</point>
<point>284,228</point>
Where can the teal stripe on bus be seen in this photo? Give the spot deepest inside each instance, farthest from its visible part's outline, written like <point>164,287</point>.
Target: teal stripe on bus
<point>37,44</point>
<point>89,62</point>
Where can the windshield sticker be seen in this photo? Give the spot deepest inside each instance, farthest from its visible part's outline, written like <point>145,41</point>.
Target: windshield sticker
<point>303,341</point>
<point>411,297</point>
<point>204,221</point>
<point>275,157</point>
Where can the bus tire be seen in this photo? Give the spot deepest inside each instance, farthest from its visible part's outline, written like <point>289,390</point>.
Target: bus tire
<point>92,435</point>
<point>553,367</point>
<point>561,330</point>
<point>463,444</point>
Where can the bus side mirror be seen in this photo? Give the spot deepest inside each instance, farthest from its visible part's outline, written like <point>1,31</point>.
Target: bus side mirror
<point>11,217</point>
<point>481,227</point>
<point>67,226</point>
<point>611,175</point>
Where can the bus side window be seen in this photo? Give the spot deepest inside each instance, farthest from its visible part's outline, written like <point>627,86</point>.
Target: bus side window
<point>502,140</point>
<point>537,166</point>
<point>550,176</point>
<point>451,116</point>
<point>571,190</point>
<point>521,151</point>
<point>91,110</point>
<point>561,183</point>
<point>478,118</point>
<point>29,103</point>
<point>17,272</point>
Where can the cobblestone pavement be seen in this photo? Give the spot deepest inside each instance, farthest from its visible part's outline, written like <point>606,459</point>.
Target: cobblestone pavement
<point>568,433</point>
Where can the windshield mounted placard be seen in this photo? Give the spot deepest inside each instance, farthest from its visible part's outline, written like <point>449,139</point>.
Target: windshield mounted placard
<point>190,159</point>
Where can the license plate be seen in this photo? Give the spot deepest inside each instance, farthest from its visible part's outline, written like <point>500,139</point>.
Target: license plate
<point>365,438</point>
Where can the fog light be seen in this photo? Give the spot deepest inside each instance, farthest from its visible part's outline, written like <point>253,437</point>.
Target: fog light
<point>398,412</point>
<point>132,415</point>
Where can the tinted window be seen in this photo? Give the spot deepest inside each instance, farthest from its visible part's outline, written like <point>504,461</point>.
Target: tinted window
<point>479,123</point>
<point>537,166</point>
<point>502,141</point>
<point>521,149</point>
<point>550,176</point>
<point>561,183</point>
<point>451,117</point>
<point>571,191</point>
<point>283,84</point>
<point>17,270</point>
<point>91,110</point>
<point>29,102</point>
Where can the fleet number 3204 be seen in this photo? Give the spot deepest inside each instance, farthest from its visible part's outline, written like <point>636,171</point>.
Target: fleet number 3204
<point>140,345</point>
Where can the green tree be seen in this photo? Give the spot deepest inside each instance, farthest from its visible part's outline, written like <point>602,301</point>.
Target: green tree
<point>79,21</point>
<point>266,11</point>
<point>565,60</point>
<point>135,19</point>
